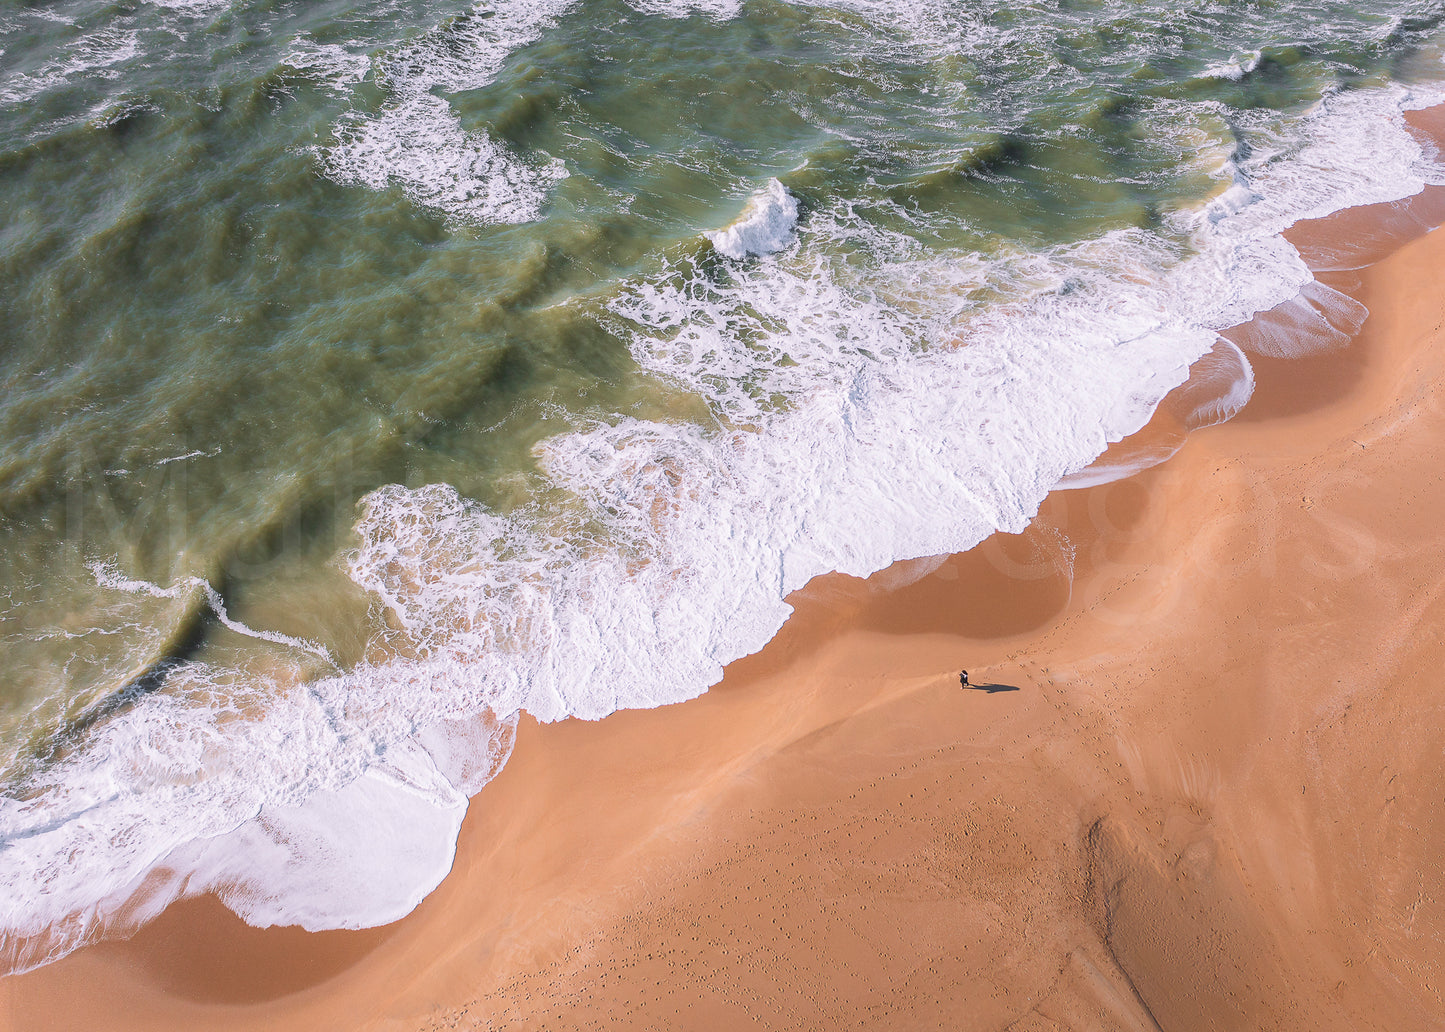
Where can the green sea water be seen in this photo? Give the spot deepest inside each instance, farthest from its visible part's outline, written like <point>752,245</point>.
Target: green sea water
<point>259,260</point>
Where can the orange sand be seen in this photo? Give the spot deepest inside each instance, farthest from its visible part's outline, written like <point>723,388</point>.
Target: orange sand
<point>1206,792</point>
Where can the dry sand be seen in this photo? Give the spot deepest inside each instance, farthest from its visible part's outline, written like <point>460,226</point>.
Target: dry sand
<point>1204,791</point>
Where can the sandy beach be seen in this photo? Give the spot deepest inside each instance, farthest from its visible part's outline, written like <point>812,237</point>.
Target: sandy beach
<point>1198,784</point>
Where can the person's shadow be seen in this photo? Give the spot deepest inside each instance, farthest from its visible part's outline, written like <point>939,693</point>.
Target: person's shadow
<point>990,688</point>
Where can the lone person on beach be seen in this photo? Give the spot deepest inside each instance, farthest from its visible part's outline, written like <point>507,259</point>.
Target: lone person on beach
<point>963,679</point>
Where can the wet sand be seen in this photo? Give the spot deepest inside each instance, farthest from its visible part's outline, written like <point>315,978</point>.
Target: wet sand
<point>1199,784</point>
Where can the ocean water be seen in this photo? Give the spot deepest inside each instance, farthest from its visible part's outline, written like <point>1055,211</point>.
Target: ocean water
<point>375,371</point>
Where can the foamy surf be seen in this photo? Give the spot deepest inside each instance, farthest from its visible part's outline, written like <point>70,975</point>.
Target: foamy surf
<point>96,54</point>
<point>1220,384</point>
<point>765,225</point>
<point>868,403</point>
<point>720,9</point>
<point>1236,68</point>
<point>417,142</point>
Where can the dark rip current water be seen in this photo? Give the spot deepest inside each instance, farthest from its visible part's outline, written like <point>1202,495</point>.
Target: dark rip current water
<point>371,372</point>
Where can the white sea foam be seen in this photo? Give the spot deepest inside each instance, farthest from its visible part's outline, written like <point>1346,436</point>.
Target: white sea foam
<point>765,225</point>
<point>868,408</point>
<point>96,55</point>
<point>417,142</point>
<point>329,804</point>
<point>1235,68</point>
<point>107,576</point>
<point>191,6</point>
<point>194,454</point>
<point>929,27</point>
<point>719,9</point>
<point>1220,384</point>
<point>330,63</point>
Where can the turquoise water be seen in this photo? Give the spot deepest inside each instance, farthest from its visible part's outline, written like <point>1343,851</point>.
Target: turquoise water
<point>374,371</point>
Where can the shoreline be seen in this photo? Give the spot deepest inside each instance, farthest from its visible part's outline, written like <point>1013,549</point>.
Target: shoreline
<point>838,808</point>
